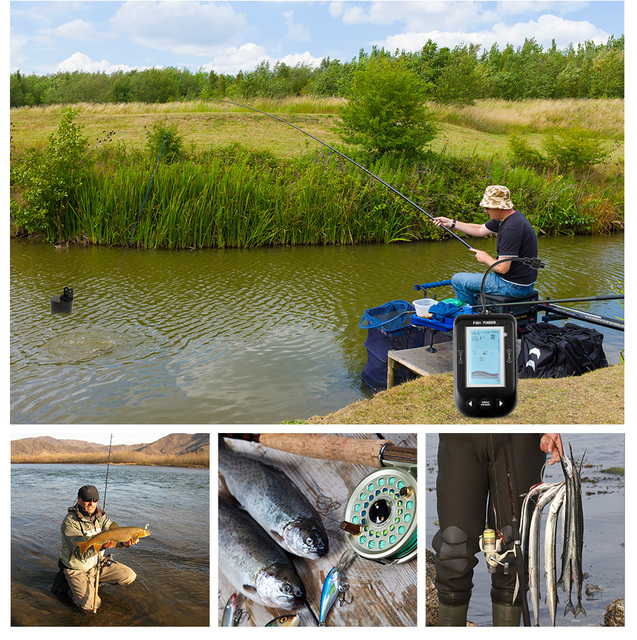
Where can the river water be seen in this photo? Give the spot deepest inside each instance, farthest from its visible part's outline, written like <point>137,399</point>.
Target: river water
<point>236,336</point>
<point>603,500</point>
<point>172,564</point>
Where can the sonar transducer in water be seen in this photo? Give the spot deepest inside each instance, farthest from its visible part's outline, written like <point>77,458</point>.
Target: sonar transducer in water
<point>63,303</point>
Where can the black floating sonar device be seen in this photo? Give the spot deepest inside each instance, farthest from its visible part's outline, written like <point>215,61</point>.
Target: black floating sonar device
<point>63,303</point>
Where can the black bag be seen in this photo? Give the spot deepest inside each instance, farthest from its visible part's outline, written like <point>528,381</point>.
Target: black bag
<point>550,351</point>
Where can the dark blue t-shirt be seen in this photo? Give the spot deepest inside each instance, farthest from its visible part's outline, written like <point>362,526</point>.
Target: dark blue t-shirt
<point>516,238</point>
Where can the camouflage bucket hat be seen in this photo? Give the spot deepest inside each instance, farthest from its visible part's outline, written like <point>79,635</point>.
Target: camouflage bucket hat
<point>496,197</point>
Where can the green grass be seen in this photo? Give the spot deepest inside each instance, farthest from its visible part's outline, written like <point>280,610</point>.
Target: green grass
<point>593,398</point>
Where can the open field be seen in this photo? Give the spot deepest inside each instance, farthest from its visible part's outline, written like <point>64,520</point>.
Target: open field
<point>482,129</point>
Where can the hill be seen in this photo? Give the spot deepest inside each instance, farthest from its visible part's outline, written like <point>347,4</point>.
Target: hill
<point>175,449</point>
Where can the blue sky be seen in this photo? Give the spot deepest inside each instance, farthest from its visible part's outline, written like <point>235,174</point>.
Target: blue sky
<point>51,36</point>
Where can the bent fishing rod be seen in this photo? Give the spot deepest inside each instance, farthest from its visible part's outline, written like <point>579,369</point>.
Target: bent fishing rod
<point>360,166</point>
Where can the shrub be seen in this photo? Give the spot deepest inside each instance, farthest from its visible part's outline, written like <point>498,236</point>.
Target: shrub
<point>521,152</point>
<point>574,149</point>
<point>165,140</point>
<point>50,178</point>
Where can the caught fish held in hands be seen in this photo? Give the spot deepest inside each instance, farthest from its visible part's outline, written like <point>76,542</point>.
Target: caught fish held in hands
<point>254,564</point>
<point>114,534</point>
<point>572,572</point>
<point>275,502</point>
<point>550,542</point>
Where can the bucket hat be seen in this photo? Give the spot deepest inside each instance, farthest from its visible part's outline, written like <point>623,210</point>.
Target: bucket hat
<point>496,197</point>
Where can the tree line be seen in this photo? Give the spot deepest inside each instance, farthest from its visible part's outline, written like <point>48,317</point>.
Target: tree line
<point>459,75</point>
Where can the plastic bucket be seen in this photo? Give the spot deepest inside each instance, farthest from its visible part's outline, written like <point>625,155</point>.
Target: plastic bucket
<point>422,306</point>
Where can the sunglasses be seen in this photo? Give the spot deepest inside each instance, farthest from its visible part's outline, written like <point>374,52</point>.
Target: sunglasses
<point>89,501</point>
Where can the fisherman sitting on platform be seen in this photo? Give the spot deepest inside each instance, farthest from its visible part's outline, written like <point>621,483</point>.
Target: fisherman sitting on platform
<point>516,238</point>
<point>84,520</point>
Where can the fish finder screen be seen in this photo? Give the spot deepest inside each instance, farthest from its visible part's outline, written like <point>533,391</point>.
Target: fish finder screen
<point>485,356</point>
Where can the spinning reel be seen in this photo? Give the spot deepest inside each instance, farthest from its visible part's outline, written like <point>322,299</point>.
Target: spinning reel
<point>380,515</point>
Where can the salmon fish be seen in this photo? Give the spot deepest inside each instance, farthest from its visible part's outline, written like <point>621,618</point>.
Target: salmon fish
<point>276,503</point>
<point>114,534</point>
<point>254,564</point>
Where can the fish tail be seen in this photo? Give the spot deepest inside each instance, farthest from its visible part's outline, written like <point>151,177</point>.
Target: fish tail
<point>84,546</point>
<point>579,609</point>
<point>569,607</point>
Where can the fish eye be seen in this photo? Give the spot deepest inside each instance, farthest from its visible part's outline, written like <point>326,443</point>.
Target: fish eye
<point>287,587</point>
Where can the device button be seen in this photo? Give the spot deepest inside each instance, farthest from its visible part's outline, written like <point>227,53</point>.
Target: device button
<point>470,403</point>
<point>509,356</point>
<point>486,403</point>
<point>460,353</point>
<point>500,403</point>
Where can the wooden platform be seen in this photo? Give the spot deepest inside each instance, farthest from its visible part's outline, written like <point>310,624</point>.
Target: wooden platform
<point>383,596</point>
<point>421,361</point>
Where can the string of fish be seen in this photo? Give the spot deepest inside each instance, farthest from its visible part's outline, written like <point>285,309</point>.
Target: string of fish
<point>565,499</point>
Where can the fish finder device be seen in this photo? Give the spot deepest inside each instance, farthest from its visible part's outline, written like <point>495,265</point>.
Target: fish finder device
<point>485,364</point>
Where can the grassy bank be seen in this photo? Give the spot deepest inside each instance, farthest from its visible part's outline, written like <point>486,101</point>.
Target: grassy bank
<point>594,398</point>
<point>244,180</point>
<point>186,460</point>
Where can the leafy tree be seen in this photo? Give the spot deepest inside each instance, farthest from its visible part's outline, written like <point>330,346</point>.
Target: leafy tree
<point>458,81</point>
<point>385,113</point>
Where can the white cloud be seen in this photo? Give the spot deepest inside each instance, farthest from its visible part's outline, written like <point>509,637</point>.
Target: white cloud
<point>296,31</point>
<point>415,15</point>
<point>544,30</point>
<point>77,30</point>
<point>185,28</point>
<point>248,56</point>
<point>81,62</point>
<point>234,59</point>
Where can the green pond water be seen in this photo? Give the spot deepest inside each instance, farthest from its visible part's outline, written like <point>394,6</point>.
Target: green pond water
<point>236,336</point>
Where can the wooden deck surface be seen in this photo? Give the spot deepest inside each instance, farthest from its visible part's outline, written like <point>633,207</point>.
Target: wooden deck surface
<point>382,595</point>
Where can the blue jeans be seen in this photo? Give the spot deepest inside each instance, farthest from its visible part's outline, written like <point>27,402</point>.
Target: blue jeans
<point>467,287</point>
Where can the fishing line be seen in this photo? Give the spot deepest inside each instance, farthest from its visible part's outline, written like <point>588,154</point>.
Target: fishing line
<point>108,465</point>
<point>398,193</point>
<point>150,182</point>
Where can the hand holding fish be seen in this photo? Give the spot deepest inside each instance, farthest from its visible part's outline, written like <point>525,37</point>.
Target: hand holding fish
<point>552,443</point>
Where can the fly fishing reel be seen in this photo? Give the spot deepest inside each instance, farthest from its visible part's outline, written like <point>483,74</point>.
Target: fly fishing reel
<point>380,516</point>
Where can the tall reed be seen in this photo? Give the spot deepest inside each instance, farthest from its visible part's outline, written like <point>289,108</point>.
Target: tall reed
<point>231,197</point>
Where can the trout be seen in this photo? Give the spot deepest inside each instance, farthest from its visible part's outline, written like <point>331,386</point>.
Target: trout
<point>254,564</point>
<point>276,503</point>
<point>114,534</point>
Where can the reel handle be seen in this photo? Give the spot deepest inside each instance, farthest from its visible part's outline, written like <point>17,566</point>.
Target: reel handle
<point>327,447</point>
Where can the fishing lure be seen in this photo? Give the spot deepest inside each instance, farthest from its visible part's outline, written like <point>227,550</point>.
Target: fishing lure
<point>284,621</point>
<point>232,613</point>
<point>332,585</point>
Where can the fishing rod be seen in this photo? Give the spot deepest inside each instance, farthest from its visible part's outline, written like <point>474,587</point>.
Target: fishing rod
<point>515,525</point>
<point>372,453</point>
<point>340,153</point>
<point>99,555</point>
<point>389,492</point>
<point>150,182</point>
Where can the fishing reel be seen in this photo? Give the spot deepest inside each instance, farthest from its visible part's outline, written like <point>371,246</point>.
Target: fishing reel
<point>492,546</point>
<point>380,516</point>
